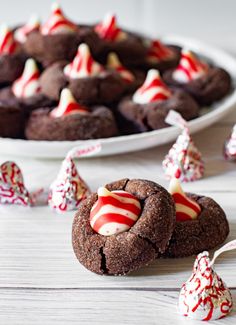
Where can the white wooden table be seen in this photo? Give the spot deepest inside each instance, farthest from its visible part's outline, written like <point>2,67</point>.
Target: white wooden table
<point>41,282</point>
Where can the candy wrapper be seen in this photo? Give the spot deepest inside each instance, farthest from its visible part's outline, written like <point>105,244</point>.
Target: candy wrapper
<point>230,146</point>
<point>183,160</point>
<point>205,296</point>
<point>12,188</point>
<point>69,189</point>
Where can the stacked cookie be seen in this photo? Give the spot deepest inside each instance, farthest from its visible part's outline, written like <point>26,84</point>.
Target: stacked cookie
<point>66,81</point>
<point>129,223</point>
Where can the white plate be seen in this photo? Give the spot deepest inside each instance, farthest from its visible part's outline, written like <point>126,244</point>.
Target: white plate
<point>128,143</point>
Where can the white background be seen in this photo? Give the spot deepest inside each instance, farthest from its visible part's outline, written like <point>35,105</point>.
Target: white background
<point>211,20</point>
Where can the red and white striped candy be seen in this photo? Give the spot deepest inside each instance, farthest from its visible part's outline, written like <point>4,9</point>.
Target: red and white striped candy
<point>28,84</point>
<point>57,23</point>
<point>8,44</point>
<point>152,90</point>
<point>114,212</point>
<point>186,209</point>
<point>108,29</point>
<point>12,188</point>
<point>67,105</point>
<point>69,189</point>
<point>157,51</point>
<point>114,63</point>
<point>83,64</point>
<point>189,68</point>
<point>21,33</point>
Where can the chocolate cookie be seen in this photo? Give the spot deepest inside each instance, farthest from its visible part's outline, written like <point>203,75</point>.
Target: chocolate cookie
<point>27,104</point>
<point>99,123</point>
<point>163,64</point>
<point>151,116</point>
<point>106,87</point>
<point>131,249</point>
<point>210,87</point>
<point>11,67</point>
<point>11,120</point>
<point>191,237</point>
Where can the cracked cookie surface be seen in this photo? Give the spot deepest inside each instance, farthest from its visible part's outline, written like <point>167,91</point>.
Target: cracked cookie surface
<point>209,230</point>
<point>142,243</point>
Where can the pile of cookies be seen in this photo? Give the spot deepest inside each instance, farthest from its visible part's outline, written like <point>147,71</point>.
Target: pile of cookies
<point>60,80</point>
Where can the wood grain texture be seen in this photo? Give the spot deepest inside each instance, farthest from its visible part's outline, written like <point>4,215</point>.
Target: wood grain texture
<point>27,307</point>
<point>41,282</point>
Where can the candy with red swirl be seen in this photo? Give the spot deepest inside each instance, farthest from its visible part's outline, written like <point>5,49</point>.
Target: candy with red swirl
<point>230,146</point>
<point>152,90</point>
<point>8,45</point>
<point>205,296</point>
<point>189,68</point>
<point>69,189</point>
<point>22,32</point>
<point>12,187</point>
<point>67,105</point>
<point>114,212</point>
<point>186,208</point>
<point>57,23</point>
<point>83,65</point>
<point>184,160</point>
<point>28,84</point>
<point>114,63</point>
<point>108,29</point>
<point>157,52</point>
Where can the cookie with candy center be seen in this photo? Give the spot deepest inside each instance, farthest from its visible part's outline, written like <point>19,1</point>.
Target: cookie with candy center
<point>189,68</point>
<point>157,52</point>
<point>186,209</point>
<point>8,45</point>
<point>123,227</point>
<point>114,212</point>
<point>113,62</point>
<point>205,82</point>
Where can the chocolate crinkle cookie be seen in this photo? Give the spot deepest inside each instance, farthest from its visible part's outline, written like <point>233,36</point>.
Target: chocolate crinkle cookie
<point>209,230</point>
<point>151,116</point>
<point>99,123</point>
<point>104,247</point>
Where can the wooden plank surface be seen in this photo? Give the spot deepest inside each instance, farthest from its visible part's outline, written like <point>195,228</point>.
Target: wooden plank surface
<point>41,282</point>
<point>27,307</point>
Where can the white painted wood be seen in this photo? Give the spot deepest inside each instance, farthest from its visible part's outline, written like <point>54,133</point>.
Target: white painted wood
<point>27,307</point>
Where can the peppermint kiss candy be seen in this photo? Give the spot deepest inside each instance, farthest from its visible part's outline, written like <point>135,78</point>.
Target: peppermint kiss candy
<point>183,161</point>
<point>7,43</point>
<point>158,52</point>
<point>108,29</point>
<point>152,90</point>
<point>21,33</point>
<point>67,105</point>
<point>69,189</point>
<point>83,64</point>
<point>230,146</point>
<point>57,23</point>
<point>186,209</point>
<point>114,212</point>
<point>114,63</point>
<point>205,296</point>
<point>189,68</point>
<point>28,84</point>
<point>12,188</point>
